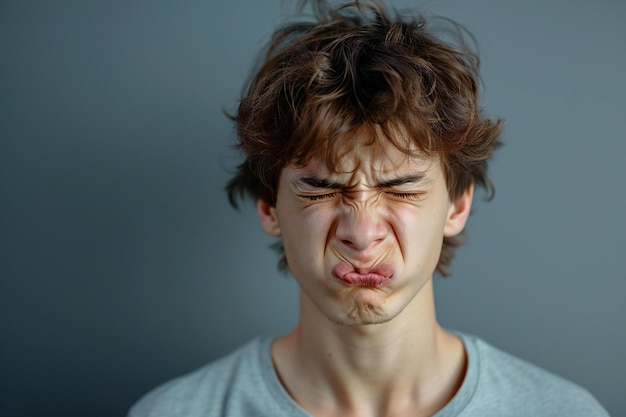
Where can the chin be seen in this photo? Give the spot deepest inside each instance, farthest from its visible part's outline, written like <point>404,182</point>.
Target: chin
<point>363,313</point>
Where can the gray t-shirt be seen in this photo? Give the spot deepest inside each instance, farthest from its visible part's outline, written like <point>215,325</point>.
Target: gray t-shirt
<point>244,384</point>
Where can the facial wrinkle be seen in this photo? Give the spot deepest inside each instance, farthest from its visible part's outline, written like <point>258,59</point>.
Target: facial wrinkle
<point>361,200</point>
<point>399,240</point>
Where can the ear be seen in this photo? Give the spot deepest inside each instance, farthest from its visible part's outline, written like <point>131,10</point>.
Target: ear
<point>267,215</point>
<point>458,213</point>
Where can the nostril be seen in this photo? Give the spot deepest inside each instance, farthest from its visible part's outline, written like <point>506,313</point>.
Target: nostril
<point>347,242</point>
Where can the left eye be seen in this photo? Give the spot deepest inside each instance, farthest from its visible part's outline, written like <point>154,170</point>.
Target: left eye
<point>409,196</point>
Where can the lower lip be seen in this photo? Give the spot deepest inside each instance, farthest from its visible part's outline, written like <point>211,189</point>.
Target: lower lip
<point>376,278</point>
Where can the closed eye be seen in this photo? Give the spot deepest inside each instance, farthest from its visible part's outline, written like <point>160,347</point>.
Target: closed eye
<point>406,196</point>
<point>318,197</point>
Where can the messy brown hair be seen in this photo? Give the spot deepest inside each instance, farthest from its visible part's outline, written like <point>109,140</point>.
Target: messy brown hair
<point>362,66</point>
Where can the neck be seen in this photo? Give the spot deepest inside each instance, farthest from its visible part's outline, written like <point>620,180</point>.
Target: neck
<point>407,363</point>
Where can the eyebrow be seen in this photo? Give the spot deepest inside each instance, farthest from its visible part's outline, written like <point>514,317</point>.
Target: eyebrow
<point>407,179</point>
<point>328,185</point>
<point>319,183</point>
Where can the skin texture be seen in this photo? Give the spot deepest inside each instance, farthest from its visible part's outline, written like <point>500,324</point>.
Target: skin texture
<point>362,240</point>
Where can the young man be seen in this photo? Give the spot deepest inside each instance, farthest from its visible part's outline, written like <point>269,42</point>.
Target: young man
<point>364,142</point>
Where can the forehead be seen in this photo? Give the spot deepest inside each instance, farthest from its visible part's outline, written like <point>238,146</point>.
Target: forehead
<point>372,154</point>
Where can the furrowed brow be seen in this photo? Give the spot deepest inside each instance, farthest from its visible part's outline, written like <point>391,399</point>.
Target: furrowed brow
<point>394,182</point>
<point>319,183</point>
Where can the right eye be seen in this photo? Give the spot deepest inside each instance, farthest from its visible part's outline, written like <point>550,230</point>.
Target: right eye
<point>318,197</point>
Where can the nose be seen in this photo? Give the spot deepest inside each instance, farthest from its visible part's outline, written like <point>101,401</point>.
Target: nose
<point>361,229</point>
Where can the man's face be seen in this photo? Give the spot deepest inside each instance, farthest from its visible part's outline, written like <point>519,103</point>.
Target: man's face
<point>363,239</point>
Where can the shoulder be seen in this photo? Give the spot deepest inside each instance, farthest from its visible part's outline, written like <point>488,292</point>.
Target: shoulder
<point>507,382</point>
<point>204,391</point>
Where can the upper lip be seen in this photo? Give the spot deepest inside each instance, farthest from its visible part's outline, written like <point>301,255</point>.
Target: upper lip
<point>383,269</point>
<point>362,258</point>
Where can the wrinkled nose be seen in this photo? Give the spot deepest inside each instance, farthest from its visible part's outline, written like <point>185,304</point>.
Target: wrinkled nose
<point>361,230</point>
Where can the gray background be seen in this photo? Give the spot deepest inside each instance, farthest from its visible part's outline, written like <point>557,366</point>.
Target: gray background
<point>122,264</point>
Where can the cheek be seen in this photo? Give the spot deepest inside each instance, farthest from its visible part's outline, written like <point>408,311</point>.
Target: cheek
<point>419,232</point>
<point>306,232</point>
